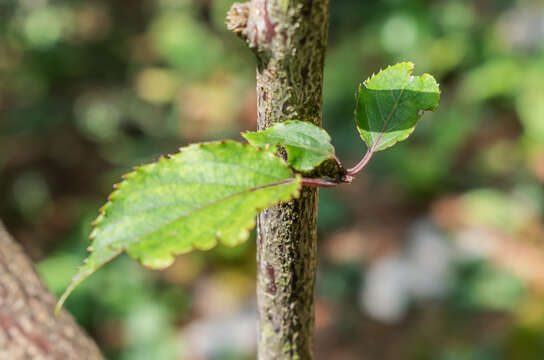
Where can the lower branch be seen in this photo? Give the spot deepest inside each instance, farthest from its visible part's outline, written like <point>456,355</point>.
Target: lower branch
<point>286,259</point>
<point>29,328</point>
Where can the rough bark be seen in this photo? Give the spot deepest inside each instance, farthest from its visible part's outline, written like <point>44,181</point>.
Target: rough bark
<point>289,38</point>
<point>29,328</point>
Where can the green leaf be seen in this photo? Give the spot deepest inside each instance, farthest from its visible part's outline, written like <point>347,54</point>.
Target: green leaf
<point>307,145</point>
<point>204,194</point>
<point>390,103</point>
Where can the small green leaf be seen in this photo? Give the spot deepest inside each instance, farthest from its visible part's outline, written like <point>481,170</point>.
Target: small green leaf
<point>307,145</point>
<point>390,103</point>
<point>204,194</point>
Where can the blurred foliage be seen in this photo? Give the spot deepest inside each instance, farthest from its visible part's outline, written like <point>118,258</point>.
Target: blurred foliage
<point>90,89</point>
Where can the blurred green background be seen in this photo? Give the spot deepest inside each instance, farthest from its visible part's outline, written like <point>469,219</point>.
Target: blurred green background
<point>435,252</point>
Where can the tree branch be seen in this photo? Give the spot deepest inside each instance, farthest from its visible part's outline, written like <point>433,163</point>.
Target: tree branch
<point>28,327</point>
<point>289,39</point>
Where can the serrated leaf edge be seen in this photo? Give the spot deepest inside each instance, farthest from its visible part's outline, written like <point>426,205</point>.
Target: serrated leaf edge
<point>80,276</point>
<point>412,68</point>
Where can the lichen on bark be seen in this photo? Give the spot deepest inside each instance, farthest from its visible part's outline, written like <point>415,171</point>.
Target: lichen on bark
<point>289,39</point>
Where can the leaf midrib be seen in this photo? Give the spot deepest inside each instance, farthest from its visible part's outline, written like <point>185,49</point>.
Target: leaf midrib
<point>278,183</point>
<point>395,106</point>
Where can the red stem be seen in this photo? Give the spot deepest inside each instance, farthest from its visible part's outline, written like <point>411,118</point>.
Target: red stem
<point>360,166</point>
<point>317,183</point>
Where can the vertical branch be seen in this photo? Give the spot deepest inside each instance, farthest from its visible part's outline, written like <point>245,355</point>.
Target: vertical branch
<point>289,39</point>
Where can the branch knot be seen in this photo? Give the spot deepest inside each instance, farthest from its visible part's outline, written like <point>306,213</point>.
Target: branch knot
<point>237,17</point>
<point>251,21</point>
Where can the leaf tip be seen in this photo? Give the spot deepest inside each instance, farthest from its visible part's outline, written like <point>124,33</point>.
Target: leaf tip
<point>81,275</point>
<point>63,298</point>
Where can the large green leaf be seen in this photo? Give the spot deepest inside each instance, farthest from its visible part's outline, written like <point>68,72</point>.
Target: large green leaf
<point>204,194</point>
<point>390,103</point>
<point>307,145</point>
